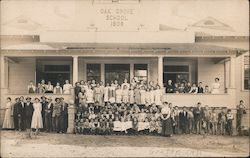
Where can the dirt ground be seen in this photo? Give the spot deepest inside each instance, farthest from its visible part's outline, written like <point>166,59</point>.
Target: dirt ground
<point>15,144</point>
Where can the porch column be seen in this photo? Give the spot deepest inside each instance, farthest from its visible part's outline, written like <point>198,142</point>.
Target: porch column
<point>232,72</point>
<point>2,61</point>
<point>103,73</point>
<point>75,69</point>
<point>160,71</point>
<point>131,71</point>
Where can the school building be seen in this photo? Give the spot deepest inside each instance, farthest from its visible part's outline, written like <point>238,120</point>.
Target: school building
<point>153,40</point>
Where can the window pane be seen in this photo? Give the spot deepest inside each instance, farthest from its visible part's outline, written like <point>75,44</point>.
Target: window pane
<point>176,68</point>
<point>246,73</point>
<point>56,68</point>
<point>94,72</point>
<point>117,72</point>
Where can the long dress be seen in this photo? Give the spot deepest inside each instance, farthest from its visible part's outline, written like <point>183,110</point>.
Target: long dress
<point>118,95</point>
<point>90,96</point>
<point>131,96</point>
<point>143,96</point>
<point>137,96</point>
<point>106,94</point>
<point>37,120</point>
<point>67,88</point>
<point>8,122</point>
<point>215,88</point>
<point>167,128</point>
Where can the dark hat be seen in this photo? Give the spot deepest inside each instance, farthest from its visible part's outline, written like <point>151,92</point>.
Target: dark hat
<point>28,98</point>
<point>43,97</point>
<point>57,99</point>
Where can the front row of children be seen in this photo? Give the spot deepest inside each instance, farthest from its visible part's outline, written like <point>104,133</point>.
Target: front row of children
<point>132,119</point>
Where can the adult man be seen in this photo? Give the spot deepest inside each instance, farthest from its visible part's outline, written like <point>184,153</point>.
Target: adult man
<point>21,114</point>
<point>16,114</point>
<point>64,116</point>
<point>200,88</point>
<point>44,104</point>
<point>241,110</point>
<point>28,115</point>
<point>48,115</point>
<point>184,120</point>
<point>77,91</point>
<point>198,115</point>
<point>56,114</point>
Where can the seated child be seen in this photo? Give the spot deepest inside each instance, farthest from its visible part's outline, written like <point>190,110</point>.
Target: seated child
<point>143,126</point>
<point>158,114</point>
<point>96,126</point>
<point>128,125</point>
<point>108,107</point>
<point>159,125</point>
<point>117,125</point>
<point>117,115</point>
<point>104,115</point>
<point>78,115</point>
<point>152,128</point>
<point>92,126</point>
<point>91,107</point>
<point>110,115</point>
<point>122,108</point>
<point>153,108</point>
<point>102,129</point>
<point>142,116</point>
<point>85,115</point>
<point>110,126</point>
<point>92,115</point>
<point>86,127</point>
<point>135,125</point>
<point>135,108</point>
<point>80,127</point>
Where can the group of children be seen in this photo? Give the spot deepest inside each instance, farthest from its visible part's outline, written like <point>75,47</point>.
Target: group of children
<point>113,118</point>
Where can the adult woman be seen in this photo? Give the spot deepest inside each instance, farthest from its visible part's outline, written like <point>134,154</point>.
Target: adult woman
<point>8,122</point>
<point>216,86</point>
<point>37,120</point>
<point>49,88</point>
<point>67,87</point>
<point>166,120</point>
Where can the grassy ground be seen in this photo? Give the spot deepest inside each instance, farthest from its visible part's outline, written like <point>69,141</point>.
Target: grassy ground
<point>15,144</point>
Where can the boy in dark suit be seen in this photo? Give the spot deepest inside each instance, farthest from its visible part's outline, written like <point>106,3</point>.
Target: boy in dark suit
<point>21,114</point>
<point>44,104</point>
<point>198,115</point>
<point>48,115</point>
<point>28,115</point>
<point>16,113</point>
<point>64,116</point>
<point>183,120</point>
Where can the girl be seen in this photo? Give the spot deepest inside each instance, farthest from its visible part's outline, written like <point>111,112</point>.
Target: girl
<point>49,88</point>
<point>93,84</point>
<point>158,96</point>
<point>147,96</point>
<point>125,94</point>
<point>143,95</point>
<point>67,87</point>
<point>131,95</point>
<point>40,88</point>
<point>101,93</point>
<point>106,93</point>
<point>58,89</point>
<point>137,95</point>
<point>112,92</point>
<point>216,86</point>
<point>97,93</point>
<point>31,87</point>
<point>194,89</point>
<point>125,83</point>
<point>90,95</point>
<point>37,121</point>
<point>8,122</point>
<point>159,126</point>
<point>117,125</point>
<point>118,94</point>
<point>152,95</point>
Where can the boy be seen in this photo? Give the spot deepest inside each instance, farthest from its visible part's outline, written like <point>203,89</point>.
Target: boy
<point>117,126</point>
<point>183,120</point>
<point>230,119</point>
<point>222,121</point>
<point>86,127</point>
<point>214,121</point>
<point>190,117</point>
<point>152,128</point>
<point>159,126</point>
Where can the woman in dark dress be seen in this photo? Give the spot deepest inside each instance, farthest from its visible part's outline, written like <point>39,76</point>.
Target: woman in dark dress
<point>166,120</point>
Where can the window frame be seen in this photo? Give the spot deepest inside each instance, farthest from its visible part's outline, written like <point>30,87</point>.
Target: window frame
<point>100,73</point>
<point>243,72</point>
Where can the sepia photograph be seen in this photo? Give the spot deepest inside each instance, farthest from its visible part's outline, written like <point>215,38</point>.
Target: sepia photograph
<point>124,78</point>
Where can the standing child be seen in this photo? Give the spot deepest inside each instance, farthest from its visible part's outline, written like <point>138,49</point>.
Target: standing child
<point>214,120</point>
<point>190,117</point>
<point>90,95</point>
<point>158,96</point>
<point>152,128</point>
<point>230,118</point>
<point>125,94</point>
<point>143,95</point>
<point>137,95</point>
<point>147,96</point>
<point>58,89</point>
<point>106,93</point>
<point>97,93</point>
<point>159,126</point>
<point>118,95</point>
<point>131,95</point>
<point>222,121</point>
<point>152,95</point>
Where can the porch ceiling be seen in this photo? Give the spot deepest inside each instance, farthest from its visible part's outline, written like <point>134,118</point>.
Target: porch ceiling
<point>138,47</point>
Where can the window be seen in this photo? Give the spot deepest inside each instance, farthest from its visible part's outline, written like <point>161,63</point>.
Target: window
<point>56,68</point>
<point>246,73</point>
<point>117,72</point>
<point>176,73</point>
<point>94,72</point>
<point>141,72</point>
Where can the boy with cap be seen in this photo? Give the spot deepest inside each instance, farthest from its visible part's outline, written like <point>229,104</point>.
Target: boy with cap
<point>28,115</point>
